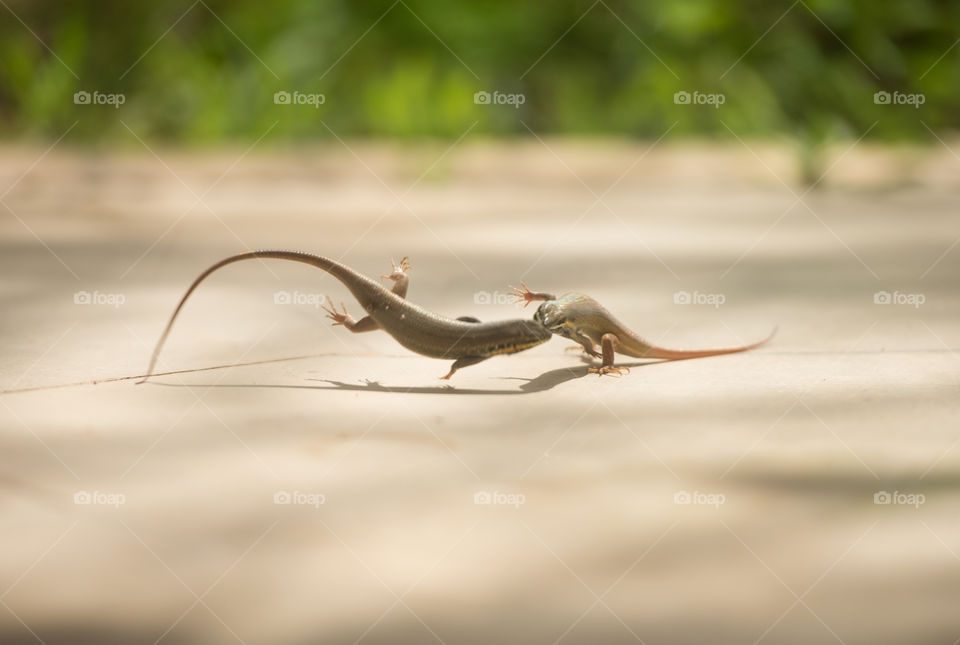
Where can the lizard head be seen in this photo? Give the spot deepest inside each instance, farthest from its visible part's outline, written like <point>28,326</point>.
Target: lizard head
<point>553,316</point>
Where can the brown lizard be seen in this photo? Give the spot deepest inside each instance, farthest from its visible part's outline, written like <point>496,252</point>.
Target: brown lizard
<point>466,340</point>
<point>585,321</point>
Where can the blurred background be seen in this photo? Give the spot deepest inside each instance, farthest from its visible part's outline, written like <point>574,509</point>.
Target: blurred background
<point>206,72</point>
<point>707,169</point>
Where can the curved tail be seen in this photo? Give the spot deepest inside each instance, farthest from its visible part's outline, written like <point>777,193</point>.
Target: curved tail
<point>355,282</point>
<point>637,348</point>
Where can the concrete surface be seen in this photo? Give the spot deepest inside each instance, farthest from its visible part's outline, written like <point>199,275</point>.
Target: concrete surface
<point>780,451</point>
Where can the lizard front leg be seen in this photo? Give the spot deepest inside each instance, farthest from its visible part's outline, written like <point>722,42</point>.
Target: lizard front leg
<point>526,296</point>
<point>464,361</point>
<point>608,345</point>
<point>586,345</point>
<point>401,282</point>
<point>399,276</point>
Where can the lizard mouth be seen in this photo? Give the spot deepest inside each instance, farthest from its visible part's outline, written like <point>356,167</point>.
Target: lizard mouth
<point>562,330</point>
<point>547,316</point>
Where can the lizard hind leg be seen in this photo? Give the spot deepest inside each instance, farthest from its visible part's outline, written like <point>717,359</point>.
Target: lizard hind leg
<point>608,345</point>
<point>463,361</point>
<point>401,281</point>
<point>342,318</point>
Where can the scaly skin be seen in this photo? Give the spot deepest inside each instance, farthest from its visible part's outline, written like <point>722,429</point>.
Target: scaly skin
<point>465,340</point>
<point>585,321</point>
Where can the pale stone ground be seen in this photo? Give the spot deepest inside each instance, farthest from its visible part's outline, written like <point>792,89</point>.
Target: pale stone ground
<point>851,398</point>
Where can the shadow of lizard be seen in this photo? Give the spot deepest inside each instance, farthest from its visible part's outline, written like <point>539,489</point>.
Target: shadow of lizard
<point>542,383</point>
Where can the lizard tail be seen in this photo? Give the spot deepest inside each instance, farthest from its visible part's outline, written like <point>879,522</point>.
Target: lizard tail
<point>637,348</point>
<point>353,280</point>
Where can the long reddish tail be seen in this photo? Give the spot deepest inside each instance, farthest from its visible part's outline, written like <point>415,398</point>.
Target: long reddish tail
<point>639,349</point>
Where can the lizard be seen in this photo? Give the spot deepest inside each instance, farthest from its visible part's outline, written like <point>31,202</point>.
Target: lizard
<point>585,321</point>
<point>466,340</point>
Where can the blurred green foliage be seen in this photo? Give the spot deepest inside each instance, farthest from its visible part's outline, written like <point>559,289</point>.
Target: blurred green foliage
<point>207,71</point>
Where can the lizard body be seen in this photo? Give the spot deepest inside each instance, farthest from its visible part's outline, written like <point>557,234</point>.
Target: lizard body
<point>585,321</point>
<point>465,340</point>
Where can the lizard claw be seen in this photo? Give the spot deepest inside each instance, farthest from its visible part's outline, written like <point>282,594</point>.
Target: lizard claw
<point>337,317</point>
<point>398,269</point>
<point>523,295</point>
<point>607,369</point>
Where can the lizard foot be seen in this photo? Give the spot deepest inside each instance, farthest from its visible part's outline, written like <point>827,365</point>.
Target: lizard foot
<point>526,296</point>
<point>337,317</point>
<point>607,369</point>
<point>398,269</point>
